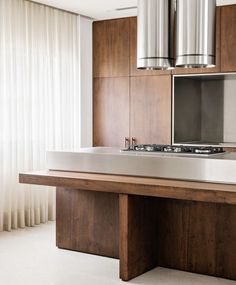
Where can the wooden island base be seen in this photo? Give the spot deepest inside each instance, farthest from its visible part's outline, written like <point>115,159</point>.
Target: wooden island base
<point>160,228</point>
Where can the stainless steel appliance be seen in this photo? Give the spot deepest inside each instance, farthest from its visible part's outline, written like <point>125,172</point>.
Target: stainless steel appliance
<point>195,33</point>
<point>180,149</point>
<point>155,34</point>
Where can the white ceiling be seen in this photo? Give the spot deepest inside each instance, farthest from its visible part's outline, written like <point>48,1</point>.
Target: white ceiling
<point>103,9</point>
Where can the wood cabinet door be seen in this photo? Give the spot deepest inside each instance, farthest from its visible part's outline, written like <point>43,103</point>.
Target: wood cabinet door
<point>150,109</point>
<point>218,52</point>
<point>111,48</point>
<point>110,111</point>
<point>228,38</point>
<point>133,53</point>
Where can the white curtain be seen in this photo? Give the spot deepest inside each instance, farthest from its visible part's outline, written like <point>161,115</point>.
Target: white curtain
<point>39,103</point>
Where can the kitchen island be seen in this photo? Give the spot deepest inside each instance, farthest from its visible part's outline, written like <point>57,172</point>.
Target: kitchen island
<point>146,221</point>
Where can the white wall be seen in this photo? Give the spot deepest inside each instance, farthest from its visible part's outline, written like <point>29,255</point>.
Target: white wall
<point>86,82</point>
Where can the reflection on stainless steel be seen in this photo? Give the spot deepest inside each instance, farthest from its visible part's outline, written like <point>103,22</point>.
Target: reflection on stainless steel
<point>203,109</point>
<point>155,34</point>
<point>219,168</point>
<point>203,151</point>
<point>195,33</point>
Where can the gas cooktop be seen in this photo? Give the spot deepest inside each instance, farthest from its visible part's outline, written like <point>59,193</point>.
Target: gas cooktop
<point>175,149</point>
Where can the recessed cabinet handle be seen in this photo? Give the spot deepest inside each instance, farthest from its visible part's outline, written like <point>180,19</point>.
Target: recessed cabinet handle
<point>127,143</point>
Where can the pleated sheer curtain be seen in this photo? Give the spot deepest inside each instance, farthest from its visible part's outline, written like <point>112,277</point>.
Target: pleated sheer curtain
<point>39,103</point>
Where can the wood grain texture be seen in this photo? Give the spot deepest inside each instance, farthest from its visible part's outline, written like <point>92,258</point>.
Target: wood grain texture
<point>187,235</point>
<point>226,241</point>
<point>202,247</point>
<point>217,68</point>
<point>110,111</point>
<point>228,38</point>
<point>230,149</point>
<point>88,222</point>
<point>111,48</point>
<point>197,237</point>
<point>138,232</point>
<point>172,238</point>
<point>176,189</point>
<point>181,234</point>
<point>133,53</point>
<point>150,109</point>
<point>192,236</point>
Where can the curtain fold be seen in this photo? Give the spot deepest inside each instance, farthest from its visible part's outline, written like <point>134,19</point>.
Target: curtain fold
<point>39,101</point>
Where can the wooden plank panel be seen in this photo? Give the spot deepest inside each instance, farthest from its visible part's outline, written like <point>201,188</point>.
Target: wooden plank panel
<point>111,48</point>
<point>183,190</point>
<point>123,236</point>
<point>88,222</point>
<point>202,238</point>
<point>228,38</point>
<point>172,238</point>
<point>138,231</point>
<point>150,109</point>
<point>110,111</point>
<point>226,241</point>
<point>63,218</point>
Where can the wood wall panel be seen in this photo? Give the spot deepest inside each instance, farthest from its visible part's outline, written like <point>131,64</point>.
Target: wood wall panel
<point>111,48</point>
<point>111,111</point>
<point>150,109</point>
<point>88,222</point>
<point>228,38</point>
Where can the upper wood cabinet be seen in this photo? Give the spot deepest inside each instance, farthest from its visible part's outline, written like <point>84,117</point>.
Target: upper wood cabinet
<point>133,53</point>
<point>111,48</point>
<point>110,111</point>
<point>150,109</point>
<point>217,68</point>
<point>228,38</point>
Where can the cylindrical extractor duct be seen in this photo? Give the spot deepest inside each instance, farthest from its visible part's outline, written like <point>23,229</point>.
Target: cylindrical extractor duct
<point>155,34</point>
<point>195,33</point>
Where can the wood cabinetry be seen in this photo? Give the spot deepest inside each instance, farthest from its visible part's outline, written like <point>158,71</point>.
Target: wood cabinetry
<point>228,38</point>
<point>125,98</point>
<point>137,103</point>
<point>135,107</point>
<point>150,109</point>
<point>111,48</point>
<point>111,111</point>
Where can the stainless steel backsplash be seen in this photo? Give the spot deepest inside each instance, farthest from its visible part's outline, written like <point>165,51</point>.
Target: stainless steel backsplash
<point>204,109</point>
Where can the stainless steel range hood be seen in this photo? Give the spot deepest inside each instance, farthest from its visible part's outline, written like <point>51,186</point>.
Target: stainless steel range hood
<point>155,34</point>
<point>195,33</point>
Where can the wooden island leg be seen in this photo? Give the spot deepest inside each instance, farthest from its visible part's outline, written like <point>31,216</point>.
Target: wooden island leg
<point>88,221</point>
<point>138,249</point>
